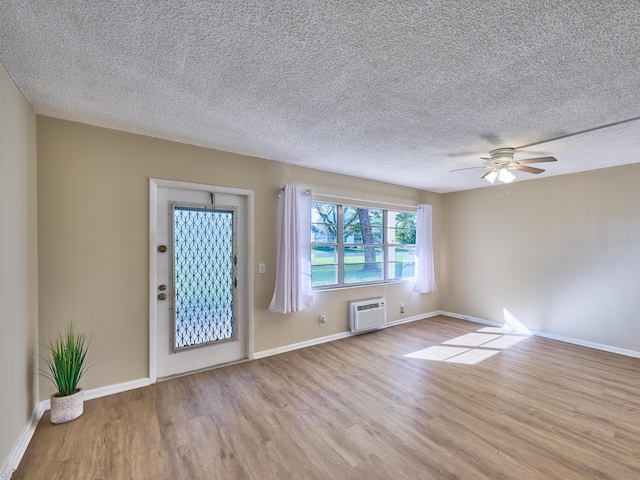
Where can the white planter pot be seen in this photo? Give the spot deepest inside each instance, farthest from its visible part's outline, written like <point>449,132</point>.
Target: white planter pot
<point>65,409</point>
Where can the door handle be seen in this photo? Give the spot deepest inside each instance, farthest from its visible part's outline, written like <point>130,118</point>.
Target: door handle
<point>162,296</point>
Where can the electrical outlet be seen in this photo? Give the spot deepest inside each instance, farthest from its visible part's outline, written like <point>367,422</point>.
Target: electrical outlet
<point>402,308</point>
<point>323,320</point>
<point>261,268</point>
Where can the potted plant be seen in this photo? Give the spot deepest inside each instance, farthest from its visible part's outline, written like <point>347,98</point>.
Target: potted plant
<point>65,367</point>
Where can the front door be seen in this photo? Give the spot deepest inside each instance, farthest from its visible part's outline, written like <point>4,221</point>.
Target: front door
<point>201,314</point>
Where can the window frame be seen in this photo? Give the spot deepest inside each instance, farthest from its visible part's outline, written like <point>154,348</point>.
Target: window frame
<point>339,246</point>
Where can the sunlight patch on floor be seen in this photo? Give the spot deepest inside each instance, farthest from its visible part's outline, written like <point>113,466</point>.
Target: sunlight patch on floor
<point>473,356</point>
<point>472,339</point>
<point>437,352</point>
<point>488,341</point>
<point>506,341</point>
<point>505,329</point>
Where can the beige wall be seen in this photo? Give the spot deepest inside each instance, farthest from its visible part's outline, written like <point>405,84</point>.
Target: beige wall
<point>93,187</point>
<point>561,254</point>
<point>18,264</point>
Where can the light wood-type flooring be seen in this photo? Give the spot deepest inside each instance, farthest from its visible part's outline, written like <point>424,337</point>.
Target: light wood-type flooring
<point>357,408</point>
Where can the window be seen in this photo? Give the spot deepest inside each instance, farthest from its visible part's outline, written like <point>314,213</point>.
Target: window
<point>359,245</point>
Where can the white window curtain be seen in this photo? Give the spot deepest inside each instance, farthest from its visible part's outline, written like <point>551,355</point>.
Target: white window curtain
<point>425,272</point>
<point>293,291</point>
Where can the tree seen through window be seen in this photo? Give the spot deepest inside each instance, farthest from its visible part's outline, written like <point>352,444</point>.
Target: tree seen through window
<point>350,246</point>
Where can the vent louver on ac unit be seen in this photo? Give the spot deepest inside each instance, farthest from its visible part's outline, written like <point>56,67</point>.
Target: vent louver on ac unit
<point>367,315</point>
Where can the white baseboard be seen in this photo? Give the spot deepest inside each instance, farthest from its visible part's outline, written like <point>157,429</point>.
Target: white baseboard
<point>21,445</point>
<point>296,346</point>
<point>584,343</point>
<point>104,391</point>
<point>552,336</point>
<point>413,319</point>
<point>472,319</point>
<point>117,388</point>
<point>331,338</point>
<point>27,433</point>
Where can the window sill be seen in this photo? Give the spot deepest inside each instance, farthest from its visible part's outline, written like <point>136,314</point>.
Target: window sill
<point>360,285</point>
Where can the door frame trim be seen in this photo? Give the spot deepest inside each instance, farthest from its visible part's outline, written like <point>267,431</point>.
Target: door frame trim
<point>154,184</point>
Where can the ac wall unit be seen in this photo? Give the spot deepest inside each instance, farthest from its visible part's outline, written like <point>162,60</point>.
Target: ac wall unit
<point>367,315</point>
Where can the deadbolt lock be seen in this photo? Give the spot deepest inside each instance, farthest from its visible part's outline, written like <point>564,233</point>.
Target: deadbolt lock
<point>162,288</point>
<point>162,248</point>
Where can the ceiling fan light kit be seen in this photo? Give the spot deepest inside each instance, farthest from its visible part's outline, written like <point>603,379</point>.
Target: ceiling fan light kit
<point>491,176</point>
<point>505,175</point>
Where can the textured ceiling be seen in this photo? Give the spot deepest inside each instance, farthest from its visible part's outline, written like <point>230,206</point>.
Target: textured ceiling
<point>399,91</point>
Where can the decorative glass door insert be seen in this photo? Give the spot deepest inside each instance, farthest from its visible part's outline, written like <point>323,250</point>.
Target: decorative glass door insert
<point>204,275</point>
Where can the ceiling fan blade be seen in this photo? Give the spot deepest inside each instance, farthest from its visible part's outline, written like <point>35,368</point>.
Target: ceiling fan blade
<point>467,168</point>
<point>538,160</point>
<point>522,168</point>
<point>487,174</point>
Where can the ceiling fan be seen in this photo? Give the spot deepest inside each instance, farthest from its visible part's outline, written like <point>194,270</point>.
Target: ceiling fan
<point>502,163</point>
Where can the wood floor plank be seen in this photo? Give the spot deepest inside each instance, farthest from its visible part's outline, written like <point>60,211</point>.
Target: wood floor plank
<point>358,408</point>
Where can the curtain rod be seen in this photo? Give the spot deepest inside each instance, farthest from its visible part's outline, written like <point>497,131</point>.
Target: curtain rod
<point>305,191</point>
<point>326,195</point>
<point>351,199</point>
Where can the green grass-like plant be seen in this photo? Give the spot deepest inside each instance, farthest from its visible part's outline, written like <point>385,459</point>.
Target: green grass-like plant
<point>66,365</point>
